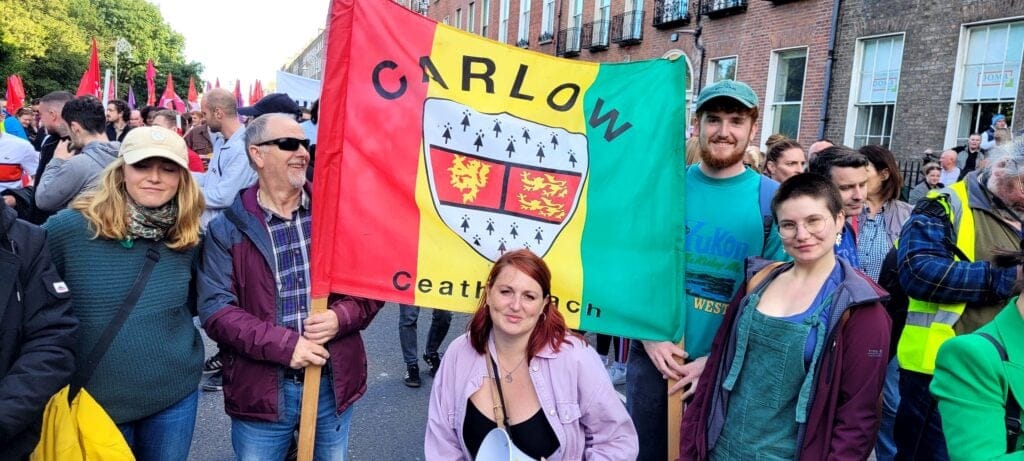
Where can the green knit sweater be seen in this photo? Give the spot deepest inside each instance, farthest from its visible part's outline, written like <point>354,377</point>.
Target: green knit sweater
<point>157,357</point>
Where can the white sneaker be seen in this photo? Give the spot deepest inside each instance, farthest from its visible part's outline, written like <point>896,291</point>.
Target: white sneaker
<point>617,373</point>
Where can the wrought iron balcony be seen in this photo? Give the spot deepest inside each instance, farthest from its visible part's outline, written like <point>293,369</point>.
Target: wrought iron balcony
<point>595,35</point>
<point>628,28</point>
<point>568,42</point>
<point>523,43</point>
<point>670,13</point>
<point>545,37</point>
<point>722,8</point>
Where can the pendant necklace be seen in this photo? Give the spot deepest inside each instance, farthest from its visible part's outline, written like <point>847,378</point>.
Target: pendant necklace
<point>508,373</point>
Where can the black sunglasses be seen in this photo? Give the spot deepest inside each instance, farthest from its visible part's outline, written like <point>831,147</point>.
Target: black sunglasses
<point>288,144</point>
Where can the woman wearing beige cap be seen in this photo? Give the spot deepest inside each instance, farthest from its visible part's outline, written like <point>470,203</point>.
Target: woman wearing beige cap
<point>138,230</point>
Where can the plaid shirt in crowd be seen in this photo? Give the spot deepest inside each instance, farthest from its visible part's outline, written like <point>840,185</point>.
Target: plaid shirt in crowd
<point>928,272</point>
<point>290,241</point>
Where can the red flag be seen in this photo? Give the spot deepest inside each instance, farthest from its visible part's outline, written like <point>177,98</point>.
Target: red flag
<point>218,83</point>
<point>251,99</point>
<point>150,83</point>
<point>257,93</point>
<point>15,94</point>
<point>170,99</point>
<point>238,93</point>
<point>90,83</point>
<point>193,95</point>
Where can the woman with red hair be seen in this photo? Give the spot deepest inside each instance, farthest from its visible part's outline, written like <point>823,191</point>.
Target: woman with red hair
<point>550,390</point>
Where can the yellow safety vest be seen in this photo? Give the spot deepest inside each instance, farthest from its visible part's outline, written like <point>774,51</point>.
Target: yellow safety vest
<point>930,324</point>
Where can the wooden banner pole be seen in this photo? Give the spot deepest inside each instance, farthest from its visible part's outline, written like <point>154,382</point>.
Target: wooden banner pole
<point>310,397</point>
<point>675,417</point>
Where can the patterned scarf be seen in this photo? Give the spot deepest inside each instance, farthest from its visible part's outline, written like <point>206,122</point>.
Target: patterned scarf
<point>150,223</point>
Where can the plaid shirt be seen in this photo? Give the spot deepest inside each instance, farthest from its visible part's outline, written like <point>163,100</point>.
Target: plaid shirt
<point>290,238</point>
<point>928,272</point>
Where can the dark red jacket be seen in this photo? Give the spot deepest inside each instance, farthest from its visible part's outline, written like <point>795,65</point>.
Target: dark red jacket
<point>845,406</point>
<point>238,302</point>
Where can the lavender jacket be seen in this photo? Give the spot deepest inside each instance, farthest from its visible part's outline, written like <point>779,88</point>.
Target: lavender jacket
<point>574,392</point>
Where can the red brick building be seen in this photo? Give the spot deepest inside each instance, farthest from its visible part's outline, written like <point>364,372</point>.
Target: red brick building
<point>779,47</point>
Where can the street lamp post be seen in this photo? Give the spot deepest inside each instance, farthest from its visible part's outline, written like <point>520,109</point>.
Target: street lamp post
<point>121,46</point>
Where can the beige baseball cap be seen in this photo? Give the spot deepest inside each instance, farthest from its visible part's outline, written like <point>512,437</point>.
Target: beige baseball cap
<point>154,141</point>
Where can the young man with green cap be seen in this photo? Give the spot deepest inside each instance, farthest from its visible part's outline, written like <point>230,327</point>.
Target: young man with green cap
<point>725,223</point>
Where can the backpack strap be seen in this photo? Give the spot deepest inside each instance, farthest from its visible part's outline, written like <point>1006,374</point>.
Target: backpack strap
<point>88,366</point>
<point>762,274</point>
<point>1013,424</point>
<point>765,194</point>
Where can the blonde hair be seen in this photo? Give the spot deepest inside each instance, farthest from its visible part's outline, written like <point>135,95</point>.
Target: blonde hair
<point>692,150</point>
<point>106,208</point>
<point>752,156</point>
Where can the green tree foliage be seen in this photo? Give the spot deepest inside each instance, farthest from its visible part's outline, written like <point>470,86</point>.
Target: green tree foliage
<point>48,44</point>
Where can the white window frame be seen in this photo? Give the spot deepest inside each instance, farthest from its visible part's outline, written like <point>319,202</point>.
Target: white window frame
<point>852,108</point>
<point>503,22</point>
<point>446,22</point>
<point>633,30</point>
<point>575,20</point>
<point>766,126</point>
<point>458,18</point>
<point>485,17</point>
<point>602,12</point>
<point>955,108</point>
<point>713,68</point>
<point>524,21</point>
<point>471,17</point>
<point>547,19</point>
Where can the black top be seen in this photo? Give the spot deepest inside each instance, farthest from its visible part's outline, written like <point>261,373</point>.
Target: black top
<point>535,437</point>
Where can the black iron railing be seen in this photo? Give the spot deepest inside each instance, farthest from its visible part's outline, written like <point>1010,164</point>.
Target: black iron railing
<point>598,39</point>
<point>568,42</point>
<point>670,13</point>
<point>628,28</point>
<point>720,8</point>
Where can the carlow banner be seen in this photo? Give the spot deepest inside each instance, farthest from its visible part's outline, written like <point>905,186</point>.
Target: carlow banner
<point>440,150</point>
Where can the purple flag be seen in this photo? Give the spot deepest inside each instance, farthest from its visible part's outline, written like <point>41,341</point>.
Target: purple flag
<point>131,98</point>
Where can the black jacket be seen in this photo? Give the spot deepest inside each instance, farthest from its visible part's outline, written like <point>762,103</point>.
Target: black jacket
<point>37,332</point>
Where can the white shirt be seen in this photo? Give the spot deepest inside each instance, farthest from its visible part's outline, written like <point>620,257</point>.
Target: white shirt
<point>17,158</point>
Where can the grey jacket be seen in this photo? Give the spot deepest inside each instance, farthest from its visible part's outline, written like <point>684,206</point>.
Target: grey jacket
<point>63,180</point>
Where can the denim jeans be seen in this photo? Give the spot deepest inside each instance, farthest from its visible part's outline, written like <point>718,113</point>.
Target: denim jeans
<point>260,440</point>
<point>647,403</point>
<point>918,430</point>
<point>407,316</point>
<point>885,448</point>
<point>166,435</point>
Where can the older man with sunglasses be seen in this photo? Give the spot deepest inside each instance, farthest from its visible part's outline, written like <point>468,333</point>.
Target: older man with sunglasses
<point>254,301</point>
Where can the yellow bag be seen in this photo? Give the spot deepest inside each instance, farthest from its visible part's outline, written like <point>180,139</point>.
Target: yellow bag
<point>81,431</point>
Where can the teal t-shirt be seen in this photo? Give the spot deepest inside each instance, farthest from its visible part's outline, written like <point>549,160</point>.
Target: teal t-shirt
<point>723,228</point>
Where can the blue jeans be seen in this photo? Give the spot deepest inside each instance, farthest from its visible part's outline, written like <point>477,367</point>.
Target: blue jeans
<point>407,316</point>
<point>647,403</point>
<point>885,448</point>
<point>166,435</point>
<point>918,430</point>
<point>261,440</point>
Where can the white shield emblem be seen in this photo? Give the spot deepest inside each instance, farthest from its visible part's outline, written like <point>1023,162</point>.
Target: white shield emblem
<point>501,182</point>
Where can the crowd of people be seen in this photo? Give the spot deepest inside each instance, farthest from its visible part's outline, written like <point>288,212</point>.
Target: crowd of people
<point>857,316</point>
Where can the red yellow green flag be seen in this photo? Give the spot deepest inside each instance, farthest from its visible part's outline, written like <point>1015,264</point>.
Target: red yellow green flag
<point>440,150</point>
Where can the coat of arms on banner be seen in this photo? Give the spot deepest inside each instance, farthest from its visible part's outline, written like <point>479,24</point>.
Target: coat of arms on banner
<point>501,182</point>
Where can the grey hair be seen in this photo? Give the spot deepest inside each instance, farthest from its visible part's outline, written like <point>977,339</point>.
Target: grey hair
<point>256,131</point>
<point>1008,158</point>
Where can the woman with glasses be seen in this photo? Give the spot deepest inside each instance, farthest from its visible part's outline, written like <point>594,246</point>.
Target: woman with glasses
<point>797,366</point>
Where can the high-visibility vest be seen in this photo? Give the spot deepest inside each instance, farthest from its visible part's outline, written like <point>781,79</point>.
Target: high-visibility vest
<point>930,324</point>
